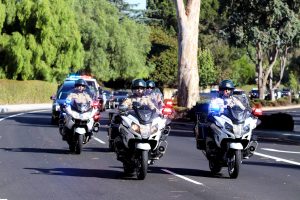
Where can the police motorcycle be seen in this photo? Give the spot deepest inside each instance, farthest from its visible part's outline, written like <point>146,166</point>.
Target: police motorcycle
<point>78,123</point>
<point>138,137</point>
<point>226,137</point>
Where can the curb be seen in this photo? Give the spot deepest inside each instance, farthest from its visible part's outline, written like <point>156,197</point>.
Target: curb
<point>24,107</point>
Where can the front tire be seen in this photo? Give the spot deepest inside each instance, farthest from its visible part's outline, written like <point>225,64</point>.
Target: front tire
<point>142,165</point>
<point>79,144</point>
<point>234,163</point>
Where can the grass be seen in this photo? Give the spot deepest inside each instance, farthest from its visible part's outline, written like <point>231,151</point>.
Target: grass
<point>26,92</point>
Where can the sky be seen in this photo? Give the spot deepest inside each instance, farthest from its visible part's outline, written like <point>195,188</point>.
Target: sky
<point>141,3</point>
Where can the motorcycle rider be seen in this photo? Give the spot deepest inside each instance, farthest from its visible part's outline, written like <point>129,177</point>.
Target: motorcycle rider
<point>78,95</point>
<point>226,99</point>
<point>138,88</point>
<point>217,106</point>
<point>154,93</point>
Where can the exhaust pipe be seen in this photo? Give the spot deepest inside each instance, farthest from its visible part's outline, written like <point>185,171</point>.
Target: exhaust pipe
<point>253,146</point>
<point>96,127</point>
<point>162,146</point>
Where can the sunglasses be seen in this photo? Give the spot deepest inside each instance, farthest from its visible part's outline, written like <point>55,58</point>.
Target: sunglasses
<point>150,88</point>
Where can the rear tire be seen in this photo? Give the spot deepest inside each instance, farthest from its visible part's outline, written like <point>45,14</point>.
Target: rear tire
<point>214,167</point>
<point>128,169</point>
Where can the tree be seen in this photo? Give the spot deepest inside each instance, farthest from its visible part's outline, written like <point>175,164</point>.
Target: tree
<point>188,77</point>
<point>115,46</point>
<point>163,56</point>
<point>39,40</point>
<point>272,27</point>
<point>208,72</point>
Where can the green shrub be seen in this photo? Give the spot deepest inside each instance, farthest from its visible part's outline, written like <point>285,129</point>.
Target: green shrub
<point>22,92</point>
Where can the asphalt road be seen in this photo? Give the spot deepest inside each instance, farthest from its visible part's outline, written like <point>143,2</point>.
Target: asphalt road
<point>35,164</point>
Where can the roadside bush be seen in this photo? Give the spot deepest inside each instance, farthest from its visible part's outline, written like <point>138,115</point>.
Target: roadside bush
<point>267,103</point>
<point>22,92</point>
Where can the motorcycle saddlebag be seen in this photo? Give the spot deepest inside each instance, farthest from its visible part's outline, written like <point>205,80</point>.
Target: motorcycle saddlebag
<point>201,131</point>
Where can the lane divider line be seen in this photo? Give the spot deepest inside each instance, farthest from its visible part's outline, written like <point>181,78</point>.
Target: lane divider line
<point>98,140</point>
<point>277,158</point>
<point>281,151</point>
<point>183,177</point>
<point>21,114</point>
<point>11,116</point>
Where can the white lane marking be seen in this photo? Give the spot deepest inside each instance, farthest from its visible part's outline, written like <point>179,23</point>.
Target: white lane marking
<point>281,151</point>
<point>277,159</point>
<point>37,111</point>
<point>288,134</point>
<point>11,116</point>
<point>181,130</point>
<point>21,114</point>
<point>183,177</point>
<point>98,140</point>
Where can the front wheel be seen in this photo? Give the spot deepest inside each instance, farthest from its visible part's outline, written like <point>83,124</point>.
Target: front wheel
<point>234,162</point>
<point>79,144</point>
<point>142,164</point>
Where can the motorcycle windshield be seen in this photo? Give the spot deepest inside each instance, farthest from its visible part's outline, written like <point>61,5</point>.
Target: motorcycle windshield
<point>144,114</point>
<point>81,107</point>
<point>237,115</point>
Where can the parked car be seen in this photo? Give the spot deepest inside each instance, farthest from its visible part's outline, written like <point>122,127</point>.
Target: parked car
<point>238,92</point>
<point>214,93</point>
<point>119,96</point>
<point>254,93</point>
<point>286,92</point>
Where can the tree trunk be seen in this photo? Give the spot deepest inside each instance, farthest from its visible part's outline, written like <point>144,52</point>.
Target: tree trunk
<point>259,69</point>
<point>283,59</point>
<point>188,75</point>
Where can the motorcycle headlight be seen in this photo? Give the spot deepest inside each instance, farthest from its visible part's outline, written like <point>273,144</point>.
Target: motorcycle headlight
<point>56,107</point>
<point>228,127</point>
<point>135,127</point>
<point>154,129</point>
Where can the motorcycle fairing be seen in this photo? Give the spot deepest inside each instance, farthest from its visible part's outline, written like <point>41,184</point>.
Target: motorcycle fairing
<point>80,130</point>
<point>80,107</point>
<point>236,114</point>
<point>144,114</point>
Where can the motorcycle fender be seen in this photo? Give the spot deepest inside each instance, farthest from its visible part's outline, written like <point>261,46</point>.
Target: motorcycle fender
<point>235,146</point>
<point>80,131</point>
<point>143,146</point>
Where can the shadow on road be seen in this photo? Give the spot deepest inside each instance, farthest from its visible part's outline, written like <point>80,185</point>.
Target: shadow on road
<point>281,165</point>
<point>117,174</point>
<point>42,119</point>
<point>76,172</point>
<point>53,151</point>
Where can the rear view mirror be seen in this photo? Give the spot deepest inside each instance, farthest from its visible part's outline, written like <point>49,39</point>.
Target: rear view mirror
<point>53,97</point>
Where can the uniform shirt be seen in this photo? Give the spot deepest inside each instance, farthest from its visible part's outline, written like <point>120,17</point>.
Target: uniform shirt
<point>143,100</point>
<point>79,97</point>
<point>156,97</point>
<point>222,103</point>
